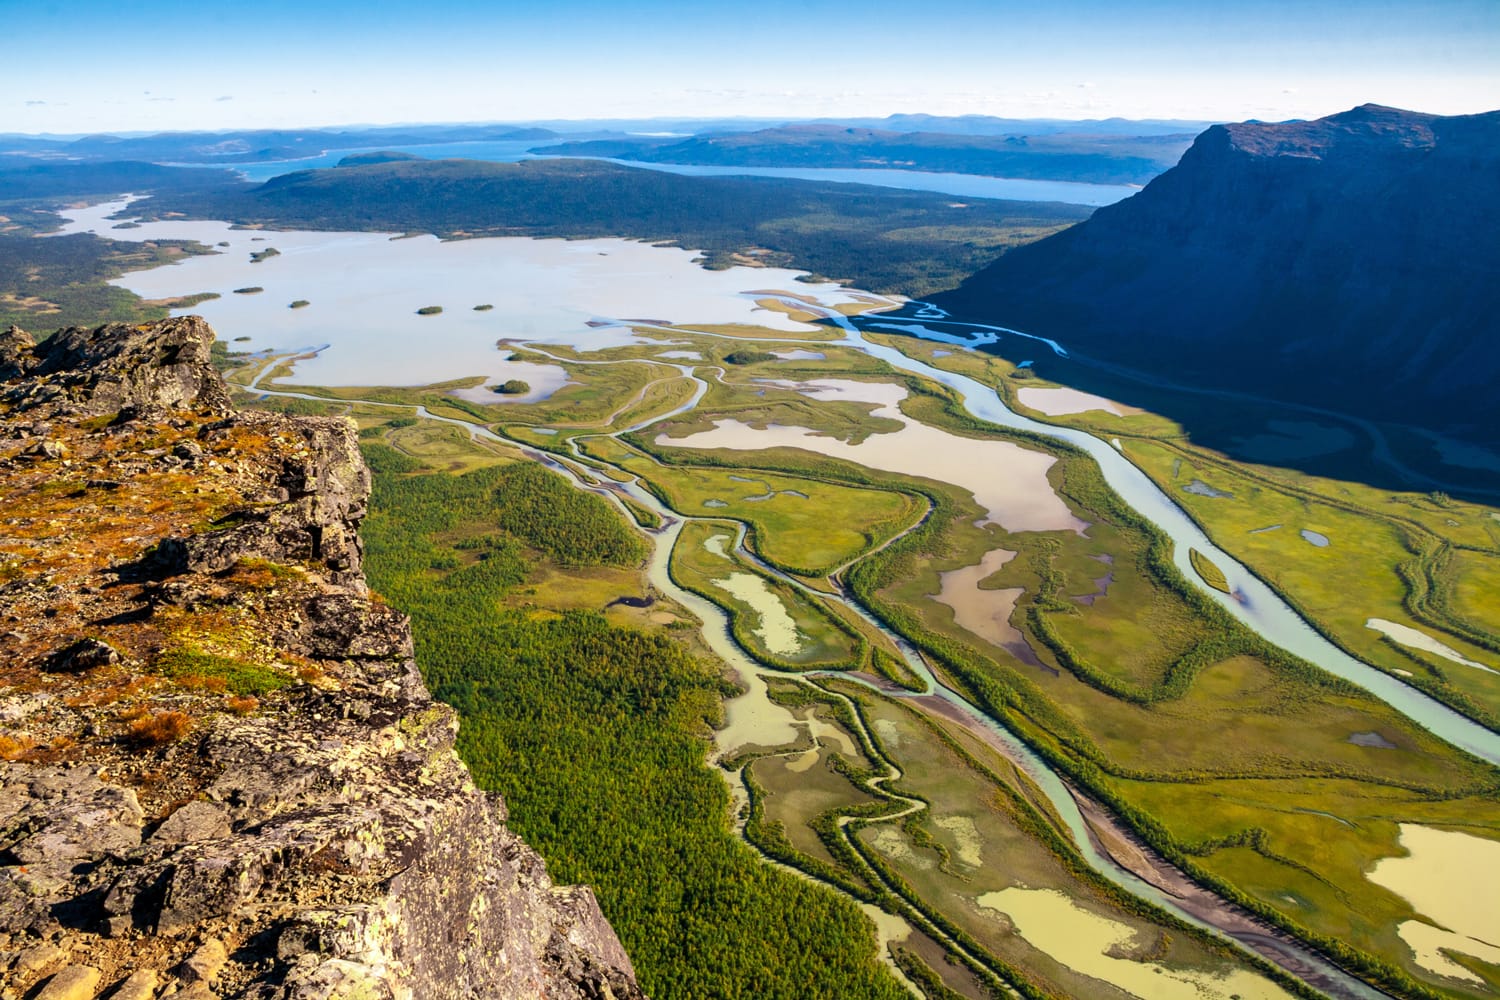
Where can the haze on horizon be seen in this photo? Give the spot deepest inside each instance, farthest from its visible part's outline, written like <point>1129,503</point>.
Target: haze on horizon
<point>81,66</point>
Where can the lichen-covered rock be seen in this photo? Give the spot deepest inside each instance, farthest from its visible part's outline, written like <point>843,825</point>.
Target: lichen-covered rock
<point>52,817</point>
<point>15,352</point>
<point>319,839</point>
<point>76,982</point>
<point>195,821</point>
<point>81,372</point>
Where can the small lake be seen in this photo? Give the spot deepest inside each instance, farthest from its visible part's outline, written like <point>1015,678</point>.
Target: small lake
<point>1008,481</point>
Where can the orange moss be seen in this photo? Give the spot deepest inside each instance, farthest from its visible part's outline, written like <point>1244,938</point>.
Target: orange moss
<point>197,682</point>
<point>241,705</point>
<point>159,729</point>
<point>12,747</point>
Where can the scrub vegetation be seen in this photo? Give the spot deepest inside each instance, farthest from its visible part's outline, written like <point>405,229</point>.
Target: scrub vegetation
<point>60,281</point>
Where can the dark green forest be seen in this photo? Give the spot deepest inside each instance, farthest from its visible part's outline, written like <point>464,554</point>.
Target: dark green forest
<point>596,735</point>
<point>60,281</point>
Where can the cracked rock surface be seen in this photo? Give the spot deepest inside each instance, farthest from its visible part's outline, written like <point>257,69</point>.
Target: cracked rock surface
<point>220,772</point>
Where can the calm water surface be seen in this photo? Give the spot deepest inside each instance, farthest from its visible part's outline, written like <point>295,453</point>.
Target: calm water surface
<point>962,185</point>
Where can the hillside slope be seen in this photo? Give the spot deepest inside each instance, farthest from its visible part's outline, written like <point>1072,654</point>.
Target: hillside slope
<point>1351,262</point>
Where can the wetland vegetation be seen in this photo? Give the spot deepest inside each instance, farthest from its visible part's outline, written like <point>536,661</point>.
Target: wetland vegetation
<point>1232,760</point>
<point>1238,765</point>
<point>1417,557</point>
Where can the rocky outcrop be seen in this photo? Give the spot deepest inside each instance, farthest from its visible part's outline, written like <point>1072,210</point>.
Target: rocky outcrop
<point>220,772</point>
<point>141,370</point>
<point>1351,262</point>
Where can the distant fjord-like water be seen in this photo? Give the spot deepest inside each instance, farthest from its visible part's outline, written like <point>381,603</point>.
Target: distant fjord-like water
<point>958,185</point>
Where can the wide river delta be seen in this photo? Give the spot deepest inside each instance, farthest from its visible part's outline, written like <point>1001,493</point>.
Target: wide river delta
<point>608,302</point>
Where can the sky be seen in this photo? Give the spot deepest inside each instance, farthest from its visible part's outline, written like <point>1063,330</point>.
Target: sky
<point>75,66</point>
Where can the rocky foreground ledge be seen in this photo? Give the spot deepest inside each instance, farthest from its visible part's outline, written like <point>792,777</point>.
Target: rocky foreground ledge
<point>220,772</point>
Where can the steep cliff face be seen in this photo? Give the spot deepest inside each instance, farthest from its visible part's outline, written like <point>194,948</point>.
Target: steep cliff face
<point>220,772</point>
<point>1352,261</point>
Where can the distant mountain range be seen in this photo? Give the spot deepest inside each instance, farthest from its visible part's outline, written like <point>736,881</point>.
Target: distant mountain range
<point>257,146</point>
<point>1109,151</point>
<point>990,125</point>
<point>1351,262</point>
<point>1101,158</point>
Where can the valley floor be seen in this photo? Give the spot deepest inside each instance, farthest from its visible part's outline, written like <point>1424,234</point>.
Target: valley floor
<point>978,701</point>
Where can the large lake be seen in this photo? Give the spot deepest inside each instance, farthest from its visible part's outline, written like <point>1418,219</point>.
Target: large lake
<point>960,185</point>
<point>364,291</point>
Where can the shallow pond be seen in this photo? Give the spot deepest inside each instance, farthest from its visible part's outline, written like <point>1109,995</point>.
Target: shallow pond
<point>986,613</point>
<point>1059,401</point>
<point>1199,488</point>
<point>1088,943</point>
<point>1452,879</point>
<point>777,631</point>
<point>1008,481</point>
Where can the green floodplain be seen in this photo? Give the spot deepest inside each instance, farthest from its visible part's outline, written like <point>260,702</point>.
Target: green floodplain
<point>909,850</point>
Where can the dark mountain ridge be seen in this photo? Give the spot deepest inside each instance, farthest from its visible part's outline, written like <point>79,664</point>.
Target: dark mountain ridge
<point>1352,262</point>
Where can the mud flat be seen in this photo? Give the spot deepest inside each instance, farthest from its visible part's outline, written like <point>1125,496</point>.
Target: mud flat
<point>1060,401</point>
<point>1453,880</point>
<point>1407,636</point>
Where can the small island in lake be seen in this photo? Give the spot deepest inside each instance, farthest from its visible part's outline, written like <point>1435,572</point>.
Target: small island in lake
<point>429,310</point>
<point>249,290</point>
<point>512,387</point>
<point>299,304</point>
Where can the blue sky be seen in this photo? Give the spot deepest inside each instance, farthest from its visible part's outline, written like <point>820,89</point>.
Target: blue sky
<point>90,65</point>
